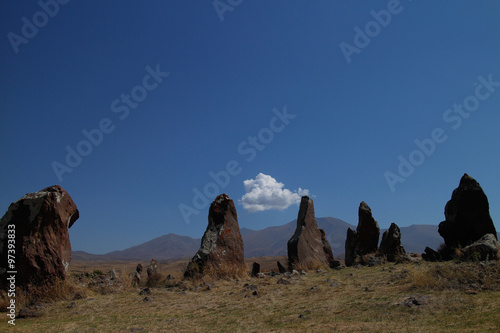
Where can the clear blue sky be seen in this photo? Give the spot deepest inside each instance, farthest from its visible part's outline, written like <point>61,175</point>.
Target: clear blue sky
<point>225,77</point>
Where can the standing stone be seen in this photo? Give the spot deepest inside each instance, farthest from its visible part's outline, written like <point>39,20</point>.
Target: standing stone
<point>221,251</point>
<point>255,269</point>
<point>368,230</point>
<point>364,241</point>
<point>305,248</point>
<point>152,268</point>
<point>42,247</point>
<point>281,268</point>
<point>467,215</point>
<point>351,248</point>
<point>390,246</point>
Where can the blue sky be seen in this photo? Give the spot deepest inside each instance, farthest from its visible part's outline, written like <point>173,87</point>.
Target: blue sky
<point>289,90</point>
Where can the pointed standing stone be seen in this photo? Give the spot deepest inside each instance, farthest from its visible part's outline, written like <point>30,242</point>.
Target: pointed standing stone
<point>305,248</point>
<point>364,240</point>
<point>368,230</point>
<point>221,251</point>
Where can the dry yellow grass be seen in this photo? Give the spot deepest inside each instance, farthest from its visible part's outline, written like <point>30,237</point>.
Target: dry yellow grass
<point>365,299</point>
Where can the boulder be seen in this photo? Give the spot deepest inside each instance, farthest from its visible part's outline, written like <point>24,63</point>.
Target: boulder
<point>467,215</point>
<point>390,246</point>
<point>431,255</point>
<point>305,248</point>
<point>255,269</point>
<point>221,252</point>
<point>40,222</point>
<point>486,248</point>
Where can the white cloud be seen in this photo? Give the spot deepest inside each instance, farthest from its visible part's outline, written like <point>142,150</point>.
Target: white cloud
<point>266,193</point>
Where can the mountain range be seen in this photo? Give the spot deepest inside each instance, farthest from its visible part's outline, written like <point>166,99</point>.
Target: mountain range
<point>271,241</point>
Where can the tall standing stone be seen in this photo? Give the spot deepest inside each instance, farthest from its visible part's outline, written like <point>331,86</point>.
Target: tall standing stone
<point>42,247</point>
<point>390,245</point>
<point>364,240</point>
<point>305,248</point>
<point>368,230</point>
<point>467,215</point>
<point>221,251</point>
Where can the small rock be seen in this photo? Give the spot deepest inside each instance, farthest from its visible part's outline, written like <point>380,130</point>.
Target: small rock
<point>335,284</point>
<point>71,305</point>
<point>294,272</point>
<point>147,299</point>
<point>145,291</point>
<point>250,286</point>
<point>314,288</point>
<point>283,281</point>
<point>414,300</point>
<point>29,313</point>
<point>261,275</point>
<point>319,271</point>
<point>303,272</point>
<point>471,292</point>
<point>170,277</point>
<point>301,316</point>
<point>255,293</point>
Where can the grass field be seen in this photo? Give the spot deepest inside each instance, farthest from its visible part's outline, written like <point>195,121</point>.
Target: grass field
<point>453,297</point>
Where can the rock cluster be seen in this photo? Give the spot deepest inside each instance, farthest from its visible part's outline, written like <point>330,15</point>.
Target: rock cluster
<point>42,247</point>
<point>221,252</point>
<point>307,249</point>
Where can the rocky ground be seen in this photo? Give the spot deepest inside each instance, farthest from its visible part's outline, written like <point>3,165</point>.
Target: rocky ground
<point>424,297</point>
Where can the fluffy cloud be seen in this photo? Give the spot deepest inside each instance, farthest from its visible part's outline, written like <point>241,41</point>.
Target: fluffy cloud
<point>266,193</point>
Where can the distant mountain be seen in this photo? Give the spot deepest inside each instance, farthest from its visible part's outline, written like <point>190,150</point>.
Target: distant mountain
<point>161,248</point>
<point>271,241</point>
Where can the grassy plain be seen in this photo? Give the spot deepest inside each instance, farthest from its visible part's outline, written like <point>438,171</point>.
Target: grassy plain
<point>457,297</point>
